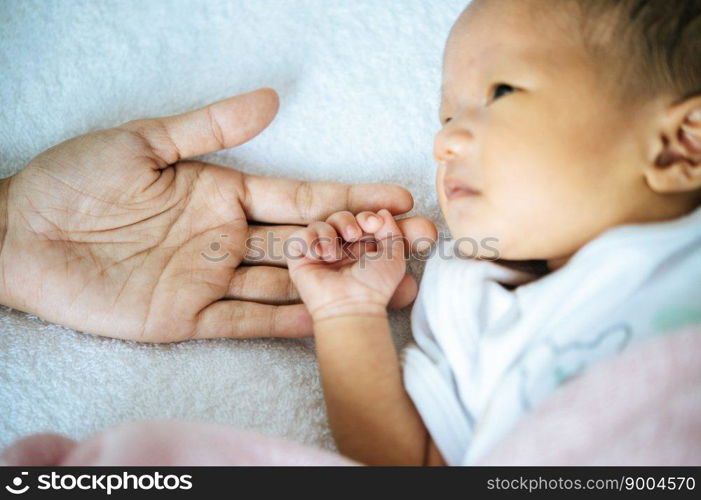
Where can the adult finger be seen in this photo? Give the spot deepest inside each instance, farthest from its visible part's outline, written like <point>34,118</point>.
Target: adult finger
<point>263,284</point>
<point>419,232</point>
<point>268,245</point>
<point>288,201</point>
<point>241,319</point>
<point>220,125</point>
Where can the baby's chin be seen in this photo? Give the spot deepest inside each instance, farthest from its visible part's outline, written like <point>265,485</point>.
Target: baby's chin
<point>489,240</point>
<point>480,240</point>
<point>471,241</point>
<point>478,232</point>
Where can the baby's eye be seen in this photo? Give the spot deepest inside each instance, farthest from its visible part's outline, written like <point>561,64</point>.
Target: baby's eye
<point>502,89</point>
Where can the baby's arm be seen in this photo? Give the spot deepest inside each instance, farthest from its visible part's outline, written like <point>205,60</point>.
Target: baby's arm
<point>371,415</point>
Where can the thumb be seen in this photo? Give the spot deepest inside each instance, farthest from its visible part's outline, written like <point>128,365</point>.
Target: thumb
<point>217,126</point>
<point>389,256</point>
<point>389,237</point>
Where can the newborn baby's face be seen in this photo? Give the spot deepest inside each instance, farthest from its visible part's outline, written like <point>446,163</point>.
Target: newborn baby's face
<point>532,151</point>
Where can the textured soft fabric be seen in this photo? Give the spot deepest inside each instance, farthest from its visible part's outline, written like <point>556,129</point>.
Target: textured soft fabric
<point>166,443</point>
<point>358,82</point>
<point>487,351</point>
<point>640,408</point>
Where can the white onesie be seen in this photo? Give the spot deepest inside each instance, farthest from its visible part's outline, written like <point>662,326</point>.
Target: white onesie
<point>484,355</point>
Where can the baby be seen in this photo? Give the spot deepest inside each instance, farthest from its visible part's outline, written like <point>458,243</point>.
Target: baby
<point>571,135</point>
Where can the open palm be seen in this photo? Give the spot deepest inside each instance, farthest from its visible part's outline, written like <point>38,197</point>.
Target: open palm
<point>115,233</point>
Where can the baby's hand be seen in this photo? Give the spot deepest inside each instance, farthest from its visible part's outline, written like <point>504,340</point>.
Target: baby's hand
<point>338,272</point>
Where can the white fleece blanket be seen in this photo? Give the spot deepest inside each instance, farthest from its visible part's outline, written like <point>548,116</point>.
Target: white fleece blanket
<point>358,82</point>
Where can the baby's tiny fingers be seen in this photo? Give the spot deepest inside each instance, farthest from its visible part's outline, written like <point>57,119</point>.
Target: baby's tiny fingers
<point>382,224</point>
<point>345,224</point>
<point>388,228</point>
<point>306,242</point>
<point>369,222</point>
<point>300,244</point>
<point>326,244</point>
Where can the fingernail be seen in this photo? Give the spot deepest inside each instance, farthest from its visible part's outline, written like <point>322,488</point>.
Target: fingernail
<point>423,246</point>
<point>374,219</point>
<point>351,232</point>
<point>296,249</point>
<point>695,116</point>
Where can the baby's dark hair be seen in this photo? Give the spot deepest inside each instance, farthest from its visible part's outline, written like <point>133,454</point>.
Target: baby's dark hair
<point>647,47</point>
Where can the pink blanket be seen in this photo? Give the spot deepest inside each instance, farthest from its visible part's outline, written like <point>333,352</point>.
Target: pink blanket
<point>641,408</point>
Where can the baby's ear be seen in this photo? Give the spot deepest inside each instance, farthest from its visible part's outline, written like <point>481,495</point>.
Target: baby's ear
<point>677,165</point>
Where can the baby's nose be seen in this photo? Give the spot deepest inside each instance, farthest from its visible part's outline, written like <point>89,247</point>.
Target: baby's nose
<point>451,144</point>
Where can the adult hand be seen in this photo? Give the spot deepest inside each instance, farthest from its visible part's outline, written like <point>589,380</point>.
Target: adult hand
<point>114,233</point>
